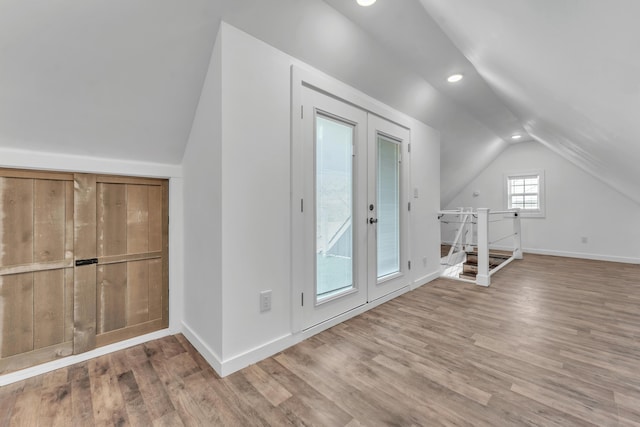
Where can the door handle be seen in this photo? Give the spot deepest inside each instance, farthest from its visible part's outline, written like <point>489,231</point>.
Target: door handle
<point>81,262</point>
<point>373,220</point>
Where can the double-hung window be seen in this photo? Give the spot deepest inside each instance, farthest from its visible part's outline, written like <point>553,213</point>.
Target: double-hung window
<point>526,192</point>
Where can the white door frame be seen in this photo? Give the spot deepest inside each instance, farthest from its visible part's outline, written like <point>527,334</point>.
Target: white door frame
<point>379,126</point>
<point>304,77</point>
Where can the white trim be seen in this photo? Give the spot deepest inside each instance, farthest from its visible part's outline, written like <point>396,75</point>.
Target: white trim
<point>77,358</point>
<point>425,279</point>
<point>242,360</point>
<point>568,254</point>
<point>256,354</point>
<point>526,213</point>
<point>581,255</point>
<point>205,351</point>
<point>24,159</point>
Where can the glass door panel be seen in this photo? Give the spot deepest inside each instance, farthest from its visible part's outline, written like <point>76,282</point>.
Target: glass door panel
<point>333,251</point>
<point>334,207</point>
<point>388,207</point>
<point>388,195</point>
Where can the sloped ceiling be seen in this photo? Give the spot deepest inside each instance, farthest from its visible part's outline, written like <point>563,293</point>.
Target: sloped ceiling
<point>122,78</point>
<point>118,78</point>
<point>569,69</point>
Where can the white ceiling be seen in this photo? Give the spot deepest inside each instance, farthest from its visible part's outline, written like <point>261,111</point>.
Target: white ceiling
<point>122,78</point>
<point>568,69</point>
<point>115,78</point>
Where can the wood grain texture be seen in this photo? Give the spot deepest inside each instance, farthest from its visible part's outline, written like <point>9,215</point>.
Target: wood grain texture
<point>137,307</point>
<point>16,300</point>
<point>137,218</point>
<point>112,219</point>
<point>552,342</point>
<point>49,220</point>
<point>84,308</point>
<point>16,207</point>
<point>49,308</point>
<point>85,277</point>
<point>85,216</point>
<point>112,297</point>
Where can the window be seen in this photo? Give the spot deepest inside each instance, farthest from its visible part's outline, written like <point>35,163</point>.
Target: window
<point>526,192</point>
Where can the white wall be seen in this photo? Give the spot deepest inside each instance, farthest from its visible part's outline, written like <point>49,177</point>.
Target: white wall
<point>425,227</point>
<point>255,202</point>
<point>202,165</point>
<point>577,205</point>
<point>256,191</point>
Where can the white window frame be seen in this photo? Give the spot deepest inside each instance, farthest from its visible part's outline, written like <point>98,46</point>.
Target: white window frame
<point>529,213</point>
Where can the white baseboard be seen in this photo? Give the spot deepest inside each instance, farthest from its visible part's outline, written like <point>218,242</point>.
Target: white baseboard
<point>235,363</point>
<point>582,255</point>
<point>569,254</point>
<point>209,355</point>
<point>256,354</point>
<point>43,368</point>
<point>425,279</point>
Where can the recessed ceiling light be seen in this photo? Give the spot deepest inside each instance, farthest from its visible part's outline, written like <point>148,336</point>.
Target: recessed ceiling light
<point>454,78</point>
<point>516,137</point>
<point>366,2</point>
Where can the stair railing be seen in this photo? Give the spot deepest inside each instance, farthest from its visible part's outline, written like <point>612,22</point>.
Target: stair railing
<point>483,278</point>
<point>464,239</point>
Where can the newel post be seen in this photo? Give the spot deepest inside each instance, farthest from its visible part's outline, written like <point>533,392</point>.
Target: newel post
<point>517,236</point>
<point>482,278</point>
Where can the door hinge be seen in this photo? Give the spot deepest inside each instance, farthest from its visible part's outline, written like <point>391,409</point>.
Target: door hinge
<point>409,148</point>
<point>301,205</point>
<point>302,299</point>
<point>409,207</point>
<point>302,111</point>
<point>409,265</point>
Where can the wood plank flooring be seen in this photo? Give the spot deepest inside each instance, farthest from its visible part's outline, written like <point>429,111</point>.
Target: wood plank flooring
<point>552,342</point>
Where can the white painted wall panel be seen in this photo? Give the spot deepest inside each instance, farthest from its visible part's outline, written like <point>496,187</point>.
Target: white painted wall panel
<point>256,185</point>
<point>202,163</point>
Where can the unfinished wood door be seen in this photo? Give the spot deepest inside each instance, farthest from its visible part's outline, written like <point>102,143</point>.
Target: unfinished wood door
<point>36,267</point>
<point>83,263</point>
<point>132,251</point>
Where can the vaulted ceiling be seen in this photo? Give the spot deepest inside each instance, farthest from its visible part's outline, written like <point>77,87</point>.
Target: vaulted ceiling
<point>122,78</point>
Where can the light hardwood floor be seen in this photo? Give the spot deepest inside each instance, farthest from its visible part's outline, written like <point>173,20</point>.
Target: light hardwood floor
<point>553,341</point>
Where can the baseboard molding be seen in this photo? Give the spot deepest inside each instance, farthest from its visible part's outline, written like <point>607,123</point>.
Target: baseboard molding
<point>24,374</point>
<point>261,352</point>
<point>209,355</point>
<point>235,363</point>
<point>582,255</point>
<point>425,279</point>
<point>569,254</point>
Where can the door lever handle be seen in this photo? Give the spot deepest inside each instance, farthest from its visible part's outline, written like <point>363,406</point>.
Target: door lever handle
<point>373,220</point>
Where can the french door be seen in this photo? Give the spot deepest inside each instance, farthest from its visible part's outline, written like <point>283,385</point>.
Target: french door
<point>335,191</point>
<point>354,207</point>
<point>389,209</point>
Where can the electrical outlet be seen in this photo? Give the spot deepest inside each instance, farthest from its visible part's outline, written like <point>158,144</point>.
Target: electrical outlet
<point>584,239</point>
<point>265,301</point>
<point>424,261</point>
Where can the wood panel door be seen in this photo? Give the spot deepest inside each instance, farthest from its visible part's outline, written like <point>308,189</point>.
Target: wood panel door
<point>132,250</point>
<point>36,268</point>
<point>73,273</point>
